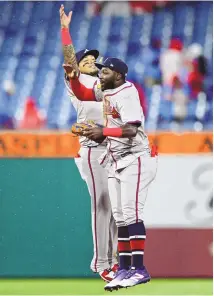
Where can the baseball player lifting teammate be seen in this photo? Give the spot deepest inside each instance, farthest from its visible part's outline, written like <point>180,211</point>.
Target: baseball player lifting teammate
<point>104,229</point>
<point>130,163</point>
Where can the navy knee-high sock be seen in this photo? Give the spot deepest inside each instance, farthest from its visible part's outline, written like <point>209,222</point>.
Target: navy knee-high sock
<point>124,248</point>
<point>137,236</point>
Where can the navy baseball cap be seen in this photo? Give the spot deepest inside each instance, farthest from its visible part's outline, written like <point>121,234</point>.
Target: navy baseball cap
<point>114,64</point>
<point>83,53</point>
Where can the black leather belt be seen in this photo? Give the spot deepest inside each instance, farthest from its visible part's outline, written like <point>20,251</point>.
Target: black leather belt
<point>125,154</point>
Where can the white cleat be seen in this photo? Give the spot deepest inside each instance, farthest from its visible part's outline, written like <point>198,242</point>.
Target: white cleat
<point>135,277</point>
<point>115,283</point>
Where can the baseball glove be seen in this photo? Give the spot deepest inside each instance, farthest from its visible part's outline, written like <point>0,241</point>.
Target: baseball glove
<point>78,128</point>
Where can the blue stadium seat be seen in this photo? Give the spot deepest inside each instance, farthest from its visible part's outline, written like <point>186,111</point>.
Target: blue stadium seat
<point>191,110</point>
<point>118,25</point>
<point>28,62</point>
<point>188,125</point>
<point>134,49</point>
<point>93,33</point>
<point>79,7</point>
<point>4,61</point>
<point>8,47</point>
<point>201,19</point>
<point>137,22</point>
<point>209,112</point>
<point>157,24</point>
<point>179,8</point>
<point>164,125</point>
<point>165,111</point>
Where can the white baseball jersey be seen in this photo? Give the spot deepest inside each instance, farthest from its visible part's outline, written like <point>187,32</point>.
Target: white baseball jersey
<point>121,106</point>
<point>104,230</point>
<point>88,110</point>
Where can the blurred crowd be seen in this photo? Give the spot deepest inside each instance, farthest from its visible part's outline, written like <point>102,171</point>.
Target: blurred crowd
<point>113,8</point>
<point>180,70</point>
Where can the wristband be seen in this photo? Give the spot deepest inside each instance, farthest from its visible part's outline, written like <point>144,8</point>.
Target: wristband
<point>66,38</point>
<point>112,132</point>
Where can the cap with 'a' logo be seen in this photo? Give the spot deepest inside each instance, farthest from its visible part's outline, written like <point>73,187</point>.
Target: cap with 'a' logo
<point>114,64</point>
<point>83,53</point>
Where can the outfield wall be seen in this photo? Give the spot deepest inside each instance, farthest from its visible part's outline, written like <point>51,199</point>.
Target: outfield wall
<point>45,218</point>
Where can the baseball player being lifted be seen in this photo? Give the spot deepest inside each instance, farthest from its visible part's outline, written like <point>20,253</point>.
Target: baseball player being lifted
<point>104,229</point>
<point>130,163</point>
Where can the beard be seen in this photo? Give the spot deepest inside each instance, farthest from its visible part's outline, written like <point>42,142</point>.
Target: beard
<point>93,72</point>
<point>107,85</point>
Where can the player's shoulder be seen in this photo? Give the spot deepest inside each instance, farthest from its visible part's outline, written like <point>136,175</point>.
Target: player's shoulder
<point>128,87</point>
<point>128,90</point>
<point>122,90</point>
<point>129,95</point>
<point>87,79</point>
<point>132,87</point>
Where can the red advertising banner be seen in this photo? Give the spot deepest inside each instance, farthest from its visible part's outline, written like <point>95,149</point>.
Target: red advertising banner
<point>179,252</point>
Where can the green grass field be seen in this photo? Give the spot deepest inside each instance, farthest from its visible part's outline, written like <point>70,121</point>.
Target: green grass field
<point>95,287</point>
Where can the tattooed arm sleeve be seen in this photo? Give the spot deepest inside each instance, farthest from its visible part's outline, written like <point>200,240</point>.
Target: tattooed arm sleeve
<point>68,49</point>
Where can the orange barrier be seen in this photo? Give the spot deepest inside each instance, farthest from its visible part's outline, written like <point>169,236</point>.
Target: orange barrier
<point>64,144</point>
<point>183,143</point>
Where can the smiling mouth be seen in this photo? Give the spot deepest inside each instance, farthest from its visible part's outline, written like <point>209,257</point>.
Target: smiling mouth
<point>90,66</point>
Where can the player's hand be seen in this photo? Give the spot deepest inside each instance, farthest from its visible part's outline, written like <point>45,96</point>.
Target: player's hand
<point>95,134</point>
<point>71,73</point>
<point>64,19</point>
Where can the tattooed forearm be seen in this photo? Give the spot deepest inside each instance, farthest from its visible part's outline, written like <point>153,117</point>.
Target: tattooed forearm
<point>70,56</point>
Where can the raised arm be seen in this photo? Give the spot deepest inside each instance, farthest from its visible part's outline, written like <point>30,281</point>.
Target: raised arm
<point>68,48</point>
<point>81,92</point>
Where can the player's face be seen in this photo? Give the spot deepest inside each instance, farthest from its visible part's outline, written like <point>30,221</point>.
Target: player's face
<point>87,66</point>
<point>107,79</point>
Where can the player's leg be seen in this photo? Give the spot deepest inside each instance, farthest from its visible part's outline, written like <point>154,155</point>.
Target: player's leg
<point>135,180</point>
<point>78,162</point>
<point>112,251</point>
<point>123,235</point>
<point>95,177</point>
<point>104,269</point>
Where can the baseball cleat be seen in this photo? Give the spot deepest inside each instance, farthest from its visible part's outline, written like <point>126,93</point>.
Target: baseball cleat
<point>107,275</point>
<point>115,267</point>
<point>135,277</point>
<point>114,284</point>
